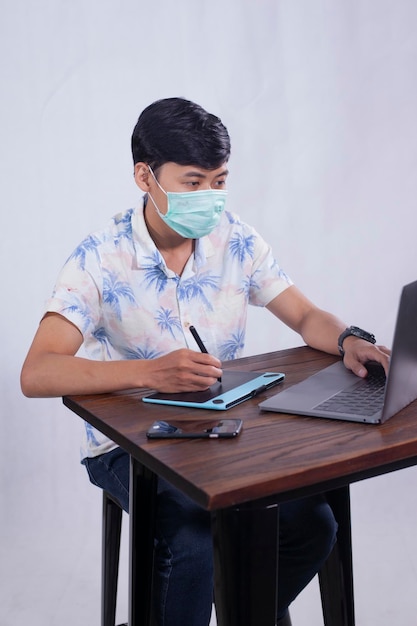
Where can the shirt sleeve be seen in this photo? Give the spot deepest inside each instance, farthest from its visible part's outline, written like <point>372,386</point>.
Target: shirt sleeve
<point>76,295</point>
<point>268,279</point>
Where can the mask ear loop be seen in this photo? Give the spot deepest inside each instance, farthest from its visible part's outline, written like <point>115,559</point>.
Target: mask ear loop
<point>155,179</point>
<point>150,195</point>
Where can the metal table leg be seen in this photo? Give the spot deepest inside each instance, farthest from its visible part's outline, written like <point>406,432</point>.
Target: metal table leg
<point>142,503</point>
<point>246,564</point>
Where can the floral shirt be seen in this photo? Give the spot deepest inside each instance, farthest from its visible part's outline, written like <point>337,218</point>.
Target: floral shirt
<point>117,289</point>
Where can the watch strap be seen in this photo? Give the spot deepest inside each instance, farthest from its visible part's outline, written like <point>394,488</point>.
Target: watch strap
<point>356,332</point>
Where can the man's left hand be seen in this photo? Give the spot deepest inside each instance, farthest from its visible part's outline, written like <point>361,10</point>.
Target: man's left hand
<point>359,352</point>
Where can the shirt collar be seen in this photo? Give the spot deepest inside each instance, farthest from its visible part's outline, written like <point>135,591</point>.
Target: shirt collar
<point>145,247</point>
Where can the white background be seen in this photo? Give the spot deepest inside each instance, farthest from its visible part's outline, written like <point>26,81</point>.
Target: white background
<point>320,99</point>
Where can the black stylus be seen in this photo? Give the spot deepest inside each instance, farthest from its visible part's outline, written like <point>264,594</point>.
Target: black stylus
<point>200,343</point>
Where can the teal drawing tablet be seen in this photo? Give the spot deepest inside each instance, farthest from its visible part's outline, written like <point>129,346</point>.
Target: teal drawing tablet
<point>235,387</point>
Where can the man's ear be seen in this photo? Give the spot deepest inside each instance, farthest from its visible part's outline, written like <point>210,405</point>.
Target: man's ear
<point>142,174</point>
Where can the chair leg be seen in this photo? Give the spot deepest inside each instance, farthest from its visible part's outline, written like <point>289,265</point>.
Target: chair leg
<point>112,525</point>
<point>336,575</point>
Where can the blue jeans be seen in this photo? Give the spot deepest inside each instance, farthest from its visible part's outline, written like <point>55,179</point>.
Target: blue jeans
<point>183,544</point>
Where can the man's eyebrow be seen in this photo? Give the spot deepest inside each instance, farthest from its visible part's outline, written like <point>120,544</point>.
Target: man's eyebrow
<point>196,174</point>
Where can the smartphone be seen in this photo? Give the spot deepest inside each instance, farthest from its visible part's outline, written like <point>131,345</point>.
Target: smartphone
<point>187,430</point>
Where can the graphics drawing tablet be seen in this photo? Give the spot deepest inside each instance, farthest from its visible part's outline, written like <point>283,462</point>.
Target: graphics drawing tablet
<point>234,388</point>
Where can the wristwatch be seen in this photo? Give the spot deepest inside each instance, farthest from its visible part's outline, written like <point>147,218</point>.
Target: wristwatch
<point>356,332</point>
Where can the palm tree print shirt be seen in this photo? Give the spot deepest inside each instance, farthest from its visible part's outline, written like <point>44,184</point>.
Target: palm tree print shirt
<point>117,289</point>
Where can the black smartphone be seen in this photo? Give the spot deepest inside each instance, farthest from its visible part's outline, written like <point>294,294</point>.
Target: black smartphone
<point>195,430</point>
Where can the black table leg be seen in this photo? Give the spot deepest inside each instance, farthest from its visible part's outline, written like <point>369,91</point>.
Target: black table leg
<point>142,504</point>
<point>336,575</point>
<point>245,540</point>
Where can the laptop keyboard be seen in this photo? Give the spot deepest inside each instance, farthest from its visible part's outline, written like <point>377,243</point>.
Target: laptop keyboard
<point>365,397</point>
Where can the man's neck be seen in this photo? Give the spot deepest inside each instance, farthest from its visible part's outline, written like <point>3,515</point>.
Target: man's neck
<point>175,250</point>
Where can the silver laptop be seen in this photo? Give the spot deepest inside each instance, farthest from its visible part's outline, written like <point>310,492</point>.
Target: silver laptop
<point>337,393</point>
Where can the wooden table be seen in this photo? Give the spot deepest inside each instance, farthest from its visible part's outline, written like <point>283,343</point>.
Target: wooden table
<point>276,458</point>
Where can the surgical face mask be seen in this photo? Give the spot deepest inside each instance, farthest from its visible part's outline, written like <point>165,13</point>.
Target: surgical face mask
<point>192,214</point>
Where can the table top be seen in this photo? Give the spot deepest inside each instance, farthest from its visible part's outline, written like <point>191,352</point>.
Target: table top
<point>276,455</point>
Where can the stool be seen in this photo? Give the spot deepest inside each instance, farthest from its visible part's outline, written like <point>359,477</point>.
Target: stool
<point>335,577</point>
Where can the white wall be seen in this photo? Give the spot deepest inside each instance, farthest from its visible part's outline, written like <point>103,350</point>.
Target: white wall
<point>320,98</point>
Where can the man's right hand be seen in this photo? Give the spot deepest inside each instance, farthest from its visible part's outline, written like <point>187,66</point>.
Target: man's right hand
<point>183,370</point>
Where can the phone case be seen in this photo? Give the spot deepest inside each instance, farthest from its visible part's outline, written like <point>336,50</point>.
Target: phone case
<point>223,429</point>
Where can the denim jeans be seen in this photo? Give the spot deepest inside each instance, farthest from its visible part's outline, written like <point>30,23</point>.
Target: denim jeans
<point>183,545</point>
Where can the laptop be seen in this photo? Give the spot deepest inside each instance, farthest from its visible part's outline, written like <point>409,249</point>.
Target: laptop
<point>337,393</point>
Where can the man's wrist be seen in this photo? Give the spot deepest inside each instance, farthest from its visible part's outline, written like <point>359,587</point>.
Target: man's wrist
<point>354,331</point>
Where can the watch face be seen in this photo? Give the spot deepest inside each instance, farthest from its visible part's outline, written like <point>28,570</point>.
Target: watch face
<point>363,334</point>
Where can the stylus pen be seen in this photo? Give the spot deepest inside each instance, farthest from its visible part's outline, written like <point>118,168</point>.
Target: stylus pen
<point>200,343</point>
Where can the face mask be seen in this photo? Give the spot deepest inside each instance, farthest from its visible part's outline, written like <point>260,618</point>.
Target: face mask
<point>192,214</point>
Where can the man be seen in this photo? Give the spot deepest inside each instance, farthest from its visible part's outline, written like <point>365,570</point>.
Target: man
<point>130,292</point>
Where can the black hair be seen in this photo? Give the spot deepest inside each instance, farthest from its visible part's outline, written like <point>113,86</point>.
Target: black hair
<point>179,131</point>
